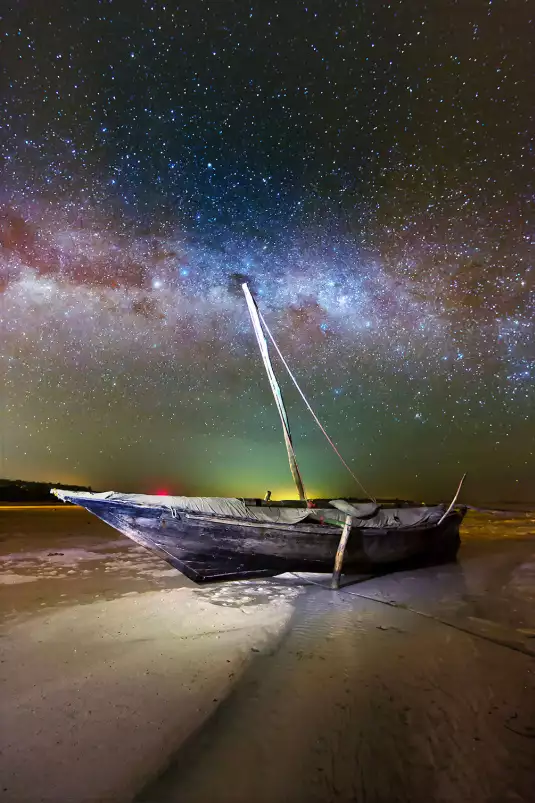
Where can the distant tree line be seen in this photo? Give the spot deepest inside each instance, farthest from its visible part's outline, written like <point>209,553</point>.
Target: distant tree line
<point>26,491</point>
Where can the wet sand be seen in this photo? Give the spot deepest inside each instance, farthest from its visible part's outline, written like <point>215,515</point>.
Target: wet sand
<point>121,680</point>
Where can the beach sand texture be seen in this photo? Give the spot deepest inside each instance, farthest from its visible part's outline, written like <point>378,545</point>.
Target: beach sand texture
<point>121,680</point>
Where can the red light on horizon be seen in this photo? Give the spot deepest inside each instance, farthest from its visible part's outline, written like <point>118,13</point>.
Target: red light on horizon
<point>162,492</point>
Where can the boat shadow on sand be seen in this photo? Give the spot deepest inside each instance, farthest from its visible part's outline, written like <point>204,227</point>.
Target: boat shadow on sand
<point>250,593</point>
<point>339,692</point>
<point>334,696</point>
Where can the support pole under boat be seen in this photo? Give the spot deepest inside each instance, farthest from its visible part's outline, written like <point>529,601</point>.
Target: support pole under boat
<point>339,560</point>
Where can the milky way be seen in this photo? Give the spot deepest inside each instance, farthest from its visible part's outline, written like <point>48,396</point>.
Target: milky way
<point>365,168</point>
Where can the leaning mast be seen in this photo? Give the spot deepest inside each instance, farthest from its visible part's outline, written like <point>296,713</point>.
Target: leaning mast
<point>277,394</point>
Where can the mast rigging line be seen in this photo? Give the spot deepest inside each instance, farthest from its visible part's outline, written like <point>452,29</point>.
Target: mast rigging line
<point>311,411</point>
<point>277,393</point>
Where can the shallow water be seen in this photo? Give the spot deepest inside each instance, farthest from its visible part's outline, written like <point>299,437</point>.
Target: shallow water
<point>415,686</point>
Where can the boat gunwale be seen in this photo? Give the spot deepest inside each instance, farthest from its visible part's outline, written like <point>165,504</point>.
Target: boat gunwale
<point>311,525</point>
<point>325,528</point>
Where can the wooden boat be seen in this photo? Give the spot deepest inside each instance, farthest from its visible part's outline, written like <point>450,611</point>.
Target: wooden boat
<point>214,538</point>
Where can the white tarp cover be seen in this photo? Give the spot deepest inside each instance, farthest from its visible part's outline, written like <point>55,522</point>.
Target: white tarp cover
<point>383,518</point>
<point>359,511</point>
<point>203,505</point>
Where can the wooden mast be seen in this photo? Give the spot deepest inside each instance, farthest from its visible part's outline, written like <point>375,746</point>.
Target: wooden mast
<point>262,344</point>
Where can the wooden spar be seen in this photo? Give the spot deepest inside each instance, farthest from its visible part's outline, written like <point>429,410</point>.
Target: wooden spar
<point>453,500</point>
<point>339,559</point>
<point>262,344</point>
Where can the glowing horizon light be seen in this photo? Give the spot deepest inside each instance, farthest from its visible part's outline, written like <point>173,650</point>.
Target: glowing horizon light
<point>388,249</point>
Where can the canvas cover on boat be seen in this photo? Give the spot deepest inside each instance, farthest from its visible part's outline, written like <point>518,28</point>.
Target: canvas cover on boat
<point>395,517</point>
<point>359,511</point>
<point>202,505</point>
<point>369,516</point>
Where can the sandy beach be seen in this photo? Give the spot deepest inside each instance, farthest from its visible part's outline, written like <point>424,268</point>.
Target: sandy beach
<point>123,681</point>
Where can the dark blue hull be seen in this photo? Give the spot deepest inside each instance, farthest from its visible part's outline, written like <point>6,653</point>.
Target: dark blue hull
<point>208,548</point>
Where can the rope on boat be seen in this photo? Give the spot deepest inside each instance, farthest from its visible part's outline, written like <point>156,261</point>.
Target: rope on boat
<point>311,411</point>
<point>254,312</point>
<point>392,604</point>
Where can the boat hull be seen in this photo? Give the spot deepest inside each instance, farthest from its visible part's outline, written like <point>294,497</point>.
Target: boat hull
<point>207,549</point>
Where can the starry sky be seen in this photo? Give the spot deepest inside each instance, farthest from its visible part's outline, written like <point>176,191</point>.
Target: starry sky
<point>367,167</point>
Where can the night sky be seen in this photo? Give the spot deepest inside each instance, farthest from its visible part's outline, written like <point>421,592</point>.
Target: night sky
<point>367,167</point>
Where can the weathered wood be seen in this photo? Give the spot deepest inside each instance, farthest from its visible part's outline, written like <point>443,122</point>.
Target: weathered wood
<point>206,549</point>
<point>452,504</point>
<point>339,559</point>
<point>300,527</point>
<point>275,388</point>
